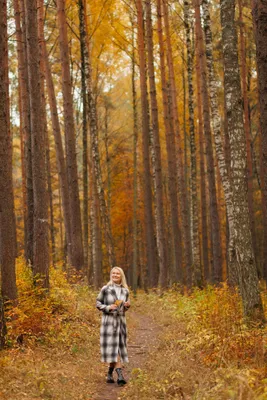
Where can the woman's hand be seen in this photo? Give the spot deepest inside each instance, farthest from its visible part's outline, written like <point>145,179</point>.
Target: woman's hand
<point>113,307</point>
<point>127,304</point>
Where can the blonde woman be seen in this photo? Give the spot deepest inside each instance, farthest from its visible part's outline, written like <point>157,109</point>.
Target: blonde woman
<point>113,301</point>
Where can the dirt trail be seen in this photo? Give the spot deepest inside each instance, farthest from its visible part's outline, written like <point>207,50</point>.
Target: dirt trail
<point>141,341</point>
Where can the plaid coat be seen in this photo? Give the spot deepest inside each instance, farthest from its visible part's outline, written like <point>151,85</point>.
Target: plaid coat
<point>113,331</point>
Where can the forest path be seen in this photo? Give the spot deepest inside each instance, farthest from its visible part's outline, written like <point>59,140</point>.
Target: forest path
<point>143,338</point>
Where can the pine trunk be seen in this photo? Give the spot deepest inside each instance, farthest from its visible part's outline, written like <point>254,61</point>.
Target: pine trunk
<point>247,127</point>
<point>176,269</point>
<point>182,192</point>
<point>77,257</point>
<point>61,165</point>
<point>159,209</point>
<point>7,232</point>
<point>260,27</point>
<point>40,230</point>
<point>19,8</point>
<point>2,319</point>
<point>149,226</point>
<point>44,122</point>
<point>22,90</point>
<point>135,181</point>
<point>95,157</point>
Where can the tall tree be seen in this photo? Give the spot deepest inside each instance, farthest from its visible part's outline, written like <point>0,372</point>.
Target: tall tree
<point>240,249</point>
<point>85,134</point>
<point>77,257</point>
<point>176,268</point>
<point>20,21</point>
<point>94,149</point>
<point>185,214</point>
<point>213,202</point>
<point>60,158</point>
<point>158,190</point>
<point>40,229</point>
<point>43,118</point>
<point>7,231</point>
<point>260,23</point>
<point>149,226</point>
<point>135,142</point>
<point>2,323</point>
<point>196,273</point>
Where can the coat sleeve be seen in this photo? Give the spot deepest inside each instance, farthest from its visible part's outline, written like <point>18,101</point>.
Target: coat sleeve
<point>100,302</point>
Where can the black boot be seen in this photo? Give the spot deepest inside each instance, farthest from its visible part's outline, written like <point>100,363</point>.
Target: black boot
<point>120,381</point>
<point>109,376</point>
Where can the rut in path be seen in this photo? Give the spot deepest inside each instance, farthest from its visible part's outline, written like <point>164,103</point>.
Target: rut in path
<point>141,341</point>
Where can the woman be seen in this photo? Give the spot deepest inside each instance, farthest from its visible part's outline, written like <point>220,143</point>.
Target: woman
<point>113,301</point>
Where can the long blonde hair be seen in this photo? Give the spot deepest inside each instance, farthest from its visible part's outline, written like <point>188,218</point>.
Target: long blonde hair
<point>123,278</point>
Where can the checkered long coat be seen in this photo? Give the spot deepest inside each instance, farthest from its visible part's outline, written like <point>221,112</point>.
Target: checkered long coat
<point>113,331</point>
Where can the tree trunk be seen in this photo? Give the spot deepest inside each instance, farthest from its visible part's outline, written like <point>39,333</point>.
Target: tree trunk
<point>85,136</point>
<point>44,122</point>
<point>40,229</point>
<point>77,257</point>
<point>22,91</point>
<point>25,125</point>
<point>197,270</point>
<point>135,180</point>
<point>7,231</point>
<point>247,127</point>
<point>214,215</point>
<point>182,193</point>
<point>176,269</point>
<point>2,320</point>
<point>61,165</point>
<point>260,27</point>
<point>95,157</point>
<point>149,231</point>
<point>241,257</point>
<point>159,209</point>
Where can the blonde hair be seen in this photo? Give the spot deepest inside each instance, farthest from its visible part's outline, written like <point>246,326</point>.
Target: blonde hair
<point>123,278</point>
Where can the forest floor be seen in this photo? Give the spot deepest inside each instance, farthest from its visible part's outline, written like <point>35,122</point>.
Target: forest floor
<point>191,347</point>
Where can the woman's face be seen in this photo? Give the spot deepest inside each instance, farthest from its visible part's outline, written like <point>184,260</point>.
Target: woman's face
<point>116,276</point>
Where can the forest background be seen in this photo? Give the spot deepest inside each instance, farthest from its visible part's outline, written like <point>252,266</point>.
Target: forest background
<point>133,133</point>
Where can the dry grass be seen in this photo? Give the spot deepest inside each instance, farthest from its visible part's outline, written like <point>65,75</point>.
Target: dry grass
<point>205,352</point>
<point>59,349</point>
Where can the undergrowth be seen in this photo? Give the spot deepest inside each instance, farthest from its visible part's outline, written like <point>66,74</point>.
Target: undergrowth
<point>52,340</point>
<point>205,352</point>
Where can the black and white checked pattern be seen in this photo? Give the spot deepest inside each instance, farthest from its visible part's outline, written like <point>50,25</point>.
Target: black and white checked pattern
<point>113,331</point>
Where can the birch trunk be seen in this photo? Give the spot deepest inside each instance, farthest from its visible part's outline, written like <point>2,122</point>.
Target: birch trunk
<point>240,251</point>
<point>197,270</point>
<point>82,27</point>
<point>213,202</point>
